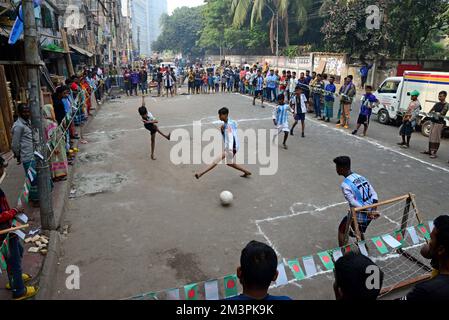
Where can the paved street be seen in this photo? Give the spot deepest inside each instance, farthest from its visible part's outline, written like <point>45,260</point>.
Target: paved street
<point>138,225</point>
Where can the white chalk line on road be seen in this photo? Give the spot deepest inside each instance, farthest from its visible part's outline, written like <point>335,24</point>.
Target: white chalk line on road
<point>368,140</point>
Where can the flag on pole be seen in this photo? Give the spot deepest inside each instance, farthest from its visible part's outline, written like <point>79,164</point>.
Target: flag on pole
<point>230,286</point>
<point>191,291</point>
<point>211,290</point>
<point>348,248</point>
<point>295,267</point>
<point>326,260</point>
<point>422,228</point>
<point>380,245</point>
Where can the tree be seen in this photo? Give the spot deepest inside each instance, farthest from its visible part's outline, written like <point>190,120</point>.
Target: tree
<point>406,26</point>
<point>345,28</point>
<point>218,31</point>
<point>276,9</point>
<point>181,31</point>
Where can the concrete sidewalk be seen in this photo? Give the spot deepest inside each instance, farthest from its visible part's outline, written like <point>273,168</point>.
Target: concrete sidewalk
<point>41,267</point>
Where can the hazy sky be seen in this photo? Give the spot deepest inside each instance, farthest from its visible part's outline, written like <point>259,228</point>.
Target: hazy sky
<point>172,4</point>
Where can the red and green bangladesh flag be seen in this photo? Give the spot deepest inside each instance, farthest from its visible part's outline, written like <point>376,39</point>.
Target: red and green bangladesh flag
<point>399,236</point>
<point>230,286</point>
<point>380,245</point>
<point>191,291</point>
<point>3,265</point>
<point>348,248</point>
<point>295,267</point>
<point>422,228</point>
<point>326,260</point>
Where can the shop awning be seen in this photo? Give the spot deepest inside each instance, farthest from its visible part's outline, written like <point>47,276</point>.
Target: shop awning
<point>81,51</point>
<point>53,48</point>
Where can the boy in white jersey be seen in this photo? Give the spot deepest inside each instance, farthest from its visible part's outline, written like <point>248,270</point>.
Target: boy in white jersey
<point>280,119</point>
<point>231,145</point>
<point>359,193</point>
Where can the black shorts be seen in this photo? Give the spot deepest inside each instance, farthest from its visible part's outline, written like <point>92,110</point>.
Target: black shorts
<point>363,119</point>
<point>151,127</point>
<point>300,117</point>
<point>258,93</point>
<point>363,226</point>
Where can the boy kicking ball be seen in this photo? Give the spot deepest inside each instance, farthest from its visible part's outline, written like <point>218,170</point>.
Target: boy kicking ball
<point>150,124</point>
<point>280,119</point>
<point>231,141</point>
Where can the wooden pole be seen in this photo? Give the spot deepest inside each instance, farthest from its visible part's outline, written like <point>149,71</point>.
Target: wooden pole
<point>68,58</point>
<point>383,203</point>
<point>23,226</point>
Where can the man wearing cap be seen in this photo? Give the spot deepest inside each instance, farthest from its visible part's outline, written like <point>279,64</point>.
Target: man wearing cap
<point>409,120</point>
<point>15,250</point>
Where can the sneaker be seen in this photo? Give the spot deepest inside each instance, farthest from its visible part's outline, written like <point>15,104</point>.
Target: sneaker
<point>328,120</point>
<point>401,144</point>
<point>354,132</point>
<point>30,292</point>
<point>346,127</point>
<point>303,135</point>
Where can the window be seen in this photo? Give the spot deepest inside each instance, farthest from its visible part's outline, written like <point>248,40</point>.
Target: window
<point>46,18</point>
<point>389,87</point>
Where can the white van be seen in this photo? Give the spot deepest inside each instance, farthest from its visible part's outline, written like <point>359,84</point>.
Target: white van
<point>394,96</point>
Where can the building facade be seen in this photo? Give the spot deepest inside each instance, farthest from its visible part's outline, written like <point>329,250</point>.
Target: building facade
<point>145,17</point>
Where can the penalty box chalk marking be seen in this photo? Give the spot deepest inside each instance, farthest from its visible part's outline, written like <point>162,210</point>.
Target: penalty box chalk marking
<point>370,141</point>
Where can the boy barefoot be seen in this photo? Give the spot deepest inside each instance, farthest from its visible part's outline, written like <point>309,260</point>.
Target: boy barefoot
<point>231,141</point>
<point>150,124</point>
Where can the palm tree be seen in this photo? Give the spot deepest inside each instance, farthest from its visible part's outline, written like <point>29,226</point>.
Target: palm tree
<point>281,8</point>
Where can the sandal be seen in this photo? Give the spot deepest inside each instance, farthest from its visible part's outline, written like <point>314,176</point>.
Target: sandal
<point>25,278</point>
<point>30,292</point>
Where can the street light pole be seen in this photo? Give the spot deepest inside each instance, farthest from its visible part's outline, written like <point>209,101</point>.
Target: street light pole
<point>33,61</point>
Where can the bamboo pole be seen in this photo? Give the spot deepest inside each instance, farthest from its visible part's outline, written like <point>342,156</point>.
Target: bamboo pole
<point>23,226</point>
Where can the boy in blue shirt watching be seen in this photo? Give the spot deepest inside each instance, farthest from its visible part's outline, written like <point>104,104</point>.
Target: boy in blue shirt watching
<point>329,100</point>
<point>258,268</point>
<point>368,102</point>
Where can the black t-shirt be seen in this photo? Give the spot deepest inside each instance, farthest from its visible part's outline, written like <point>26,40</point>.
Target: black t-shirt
<point>436,289</point>
<point>58,107</point>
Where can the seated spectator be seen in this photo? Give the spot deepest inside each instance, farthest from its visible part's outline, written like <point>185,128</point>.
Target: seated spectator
<point>352,274</point>
<point>258,268</point>
<point>437,288</point>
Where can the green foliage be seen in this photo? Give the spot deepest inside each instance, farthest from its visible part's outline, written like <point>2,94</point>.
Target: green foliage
<point>181,31</point>
<point>406,26</point>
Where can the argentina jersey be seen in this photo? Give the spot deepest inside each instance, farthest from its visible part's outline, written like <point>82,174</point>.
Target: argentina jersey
<point>281,115</point>
<point>358,191</point>
<point>231,139</point>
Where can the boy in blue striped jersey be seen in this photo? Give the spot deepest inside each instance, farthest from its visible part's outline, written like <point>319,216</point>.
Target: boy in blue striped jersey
<point>280,119</point>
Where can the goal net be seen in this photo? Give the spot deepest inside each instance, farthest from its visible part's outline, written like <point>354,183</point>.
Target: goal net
<point>393,241</point>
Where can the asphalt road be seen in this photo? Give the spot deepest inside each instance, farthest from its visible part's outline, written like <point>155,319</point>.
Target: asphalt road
<point>138,225</point>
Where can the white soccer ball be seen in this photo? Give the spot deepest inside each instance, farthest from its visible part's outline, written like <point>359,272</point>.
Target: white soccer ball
<point>226,198</point>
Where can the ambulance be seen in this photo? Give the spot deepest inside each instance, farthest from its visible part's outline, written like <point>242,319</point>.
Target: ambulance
<point>394,96</point>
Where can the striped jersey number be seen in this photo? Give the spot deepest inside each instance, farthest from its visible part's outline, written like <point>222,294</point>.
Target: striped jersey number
<point>365,191</point>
